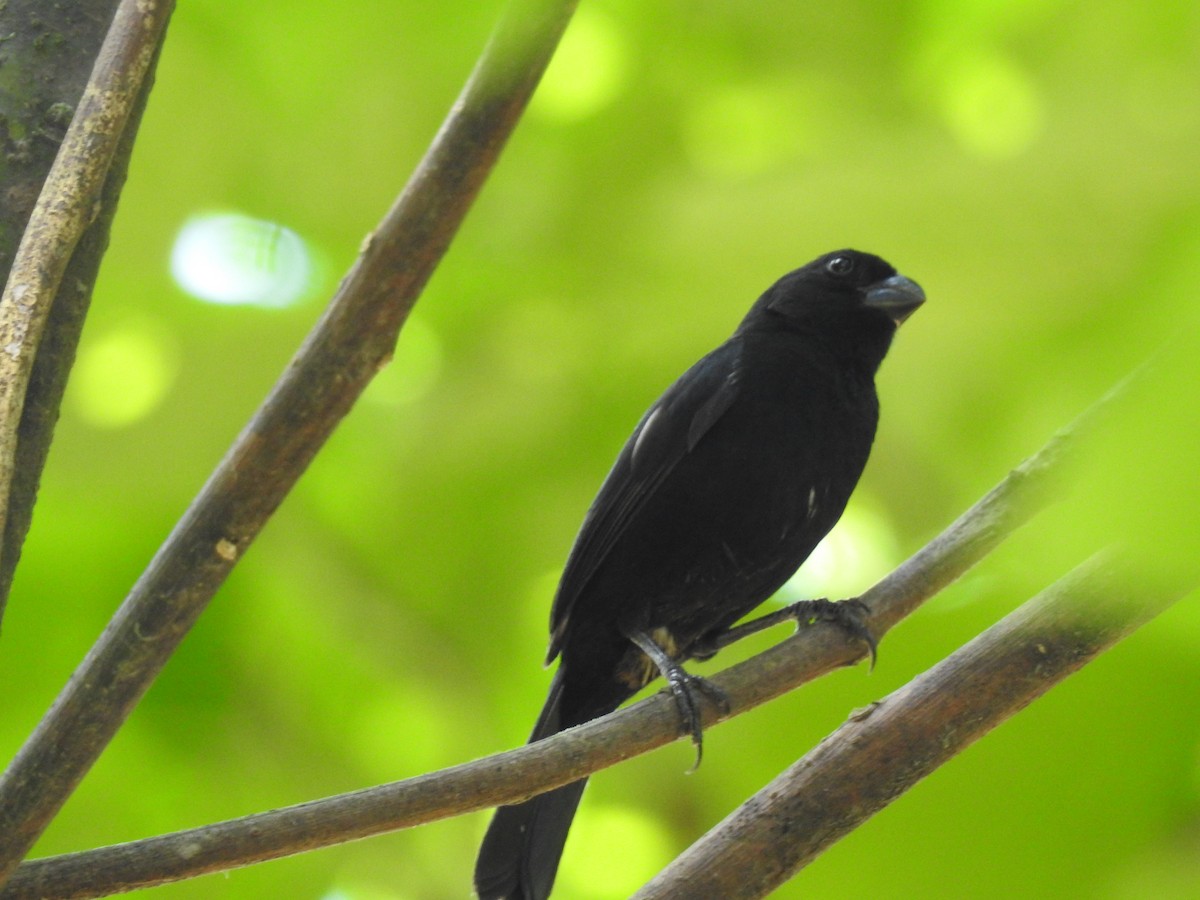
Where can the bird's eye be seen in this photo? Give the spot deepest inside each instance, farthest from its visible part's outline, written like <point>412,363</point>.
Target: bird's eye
<point>840,266</point>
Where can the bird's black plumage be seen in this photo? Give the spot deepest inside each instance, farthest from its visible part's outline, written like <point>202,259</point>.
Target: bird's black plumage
<point>725,487</point>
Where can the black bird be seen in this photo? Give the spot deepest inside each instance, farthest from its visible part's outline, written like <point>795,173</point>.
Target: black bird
<point>725,487</point>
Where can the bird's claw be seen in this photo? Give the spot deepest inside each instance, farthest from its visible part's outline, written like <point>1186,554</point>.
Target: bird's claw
<point>684,688</point>
<point>849,615</point>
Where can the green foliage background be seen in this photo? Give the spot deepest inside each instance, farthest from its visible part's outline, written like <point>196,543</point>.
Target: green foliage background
<point>1033,163</point>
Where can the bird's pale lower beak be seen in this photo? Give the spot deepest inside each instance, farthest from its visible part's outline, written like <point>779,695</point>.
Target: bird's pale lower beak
<point>897,296</point>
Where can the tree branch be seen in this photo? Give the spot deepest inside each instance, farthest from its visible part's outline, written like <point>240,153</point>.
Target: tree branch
<point>48,55</point>
<point>69,202</point>
<point>518,774</point>
<point>888,747</point>
<point>352,341</point>
<point>51,52</point>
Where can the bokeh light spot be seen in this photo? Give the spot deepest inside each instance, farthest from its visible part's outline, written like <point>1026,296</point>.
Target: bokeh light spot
<point>359,891</point>
<point>742,130</point>
<point>624,847</point>
<point>121,376</point>
<point>859,551</point>
<point>588,69</point>
<point>233,259</point>
<point>991,106</point>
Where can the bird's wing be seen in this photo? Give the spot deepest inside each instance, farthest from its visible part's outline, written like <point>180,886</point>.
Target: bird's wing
<point>672,427</point>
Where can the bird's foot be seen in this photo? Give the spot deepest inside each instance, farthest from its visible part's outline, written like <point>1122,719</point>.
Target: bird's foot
<point>685,688</point>
<point>849,615</point>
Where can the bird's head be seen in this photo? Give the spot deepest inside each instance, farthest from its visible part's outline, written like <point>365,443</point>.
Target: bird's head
<point>846,296</point>
<point>846,282</point>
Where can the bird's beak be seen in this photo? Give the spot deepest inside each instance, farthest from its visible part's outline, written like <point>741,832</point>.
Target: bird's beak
<point>897,296</point>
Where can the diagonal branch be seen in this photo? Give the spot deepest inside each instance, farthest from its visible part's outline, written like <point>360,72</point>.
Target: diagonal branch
<point>888,747</point>
<point>518,774</point>
<point>64,235</point>
<point>352,341</point>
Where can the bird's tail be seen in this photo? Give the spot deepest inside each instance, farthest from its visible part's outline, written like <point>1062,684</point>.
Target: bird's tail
<point>519,856</point>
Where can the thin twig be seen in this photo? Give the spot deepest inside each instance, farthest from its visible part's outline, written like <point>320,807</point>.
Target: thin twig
<point>888,747</point>
<point>518,774</point>
<point>352,341</point>
<point>1023,492</point>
